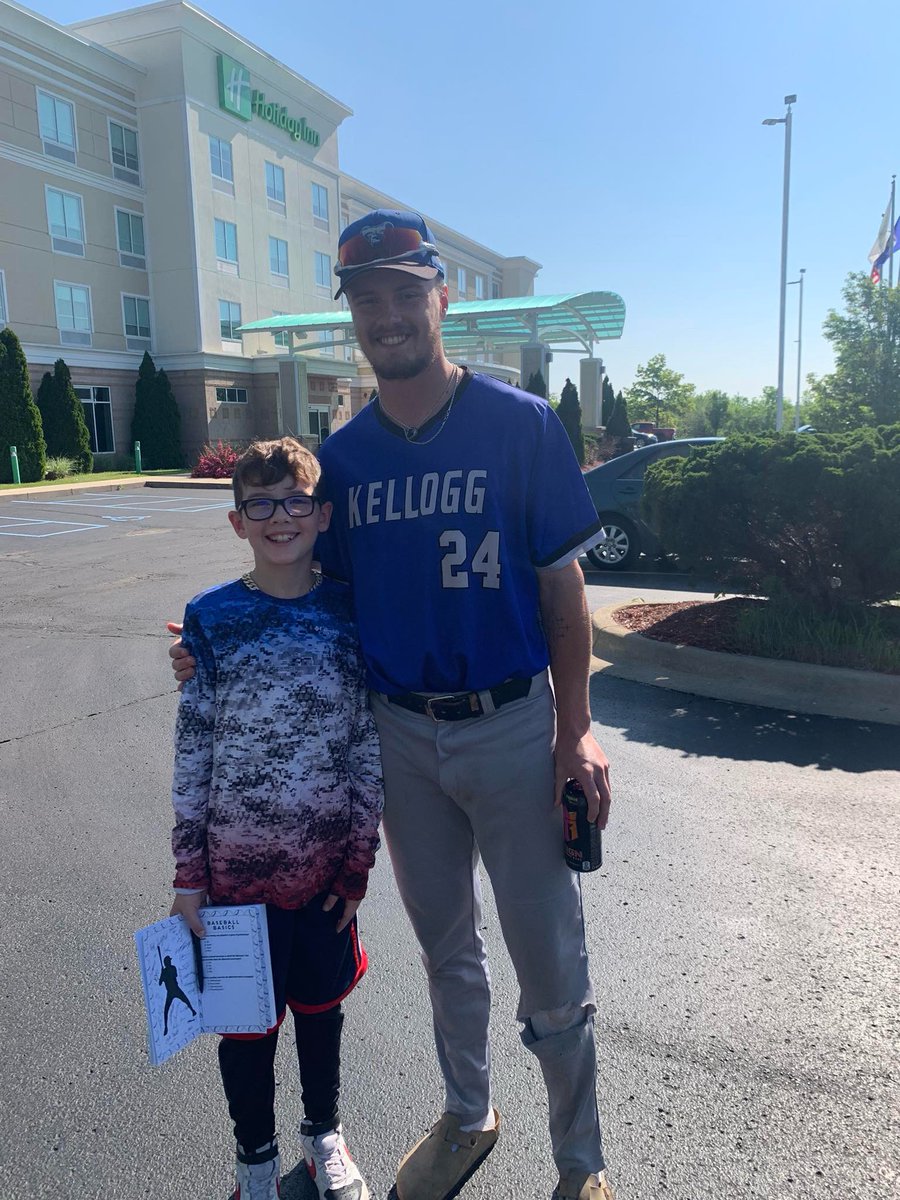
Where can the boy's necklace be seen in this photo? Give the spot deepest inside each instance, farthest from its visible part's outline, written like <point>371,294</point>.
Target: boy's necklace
<point>249,582</point>
<point>411,432</point>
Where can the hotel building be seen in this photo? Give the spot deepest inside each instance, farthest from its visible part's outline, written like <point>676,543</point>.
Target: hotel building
<point>163,182</point>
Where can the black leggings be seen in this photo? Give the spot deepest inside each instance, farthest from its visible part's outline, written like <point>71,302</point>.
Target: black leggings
<point>248,1073</point>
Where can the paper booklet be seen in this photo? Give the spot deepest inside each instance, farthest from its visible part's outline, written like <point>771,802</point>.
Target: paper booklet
<point>233,963</point>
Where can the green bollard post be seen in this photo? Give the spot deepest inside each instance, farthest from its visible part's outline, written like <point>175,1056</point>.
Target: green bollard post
<point>137,458</point>
<point>14,459</point>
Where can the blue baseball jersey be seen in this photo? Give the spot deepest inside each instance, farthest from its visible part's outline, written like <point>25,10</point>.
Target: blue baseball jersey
<point>442,538</point>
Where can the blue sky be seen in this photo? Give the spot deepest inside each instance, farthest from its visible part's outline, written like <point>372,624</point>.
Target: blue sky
<point>621,146</point>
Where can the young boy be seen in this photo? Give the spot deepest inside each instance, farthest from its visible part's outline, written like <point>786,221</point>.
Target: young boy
<point>277,796</point>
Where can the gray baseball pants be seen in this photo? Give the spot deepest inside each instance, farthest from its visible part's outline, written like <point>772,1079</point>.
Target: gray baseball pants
<point>457,790</point>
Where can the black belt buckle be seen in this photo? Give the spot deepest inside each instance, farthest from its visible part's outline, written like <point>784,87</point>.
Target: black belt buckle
<point>454,708</point>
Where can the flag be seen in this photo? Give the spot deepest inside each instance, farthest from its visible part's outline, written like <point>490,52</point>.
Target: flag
<point>890,248</point>
<point>881,242</point>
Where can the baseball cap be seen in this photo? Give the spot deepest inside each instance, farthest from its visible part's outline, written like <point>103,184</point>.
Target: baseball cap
<point>387,237</point>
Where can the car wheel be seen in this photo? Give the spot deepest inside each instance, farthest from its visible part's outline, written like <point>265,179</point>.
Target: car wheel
<point>622,547</point>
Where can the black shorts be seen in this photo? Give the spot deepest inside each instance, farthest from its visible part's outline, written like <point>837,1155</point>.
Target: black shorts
<point>313,966</point>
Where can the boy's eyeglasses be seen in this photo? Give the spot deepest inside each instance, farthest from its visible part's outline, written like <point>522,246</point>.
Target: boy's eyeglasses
<point>260,508</point>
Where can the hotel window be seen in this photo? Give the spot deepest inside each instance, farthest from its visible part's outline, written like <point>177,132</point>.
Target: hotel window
<point>136,313</point>
<point>461,282</point>
<point>228,395</point>
<point>4,311</point>
<point>73,313</point>
<point>229,320</point>
<point>226,245</point>
<point>479,287</point>
<point>323,271</point>
<point>97,408</point>
<point>320,206</point>
<point>123,150</point>
<point>57,123</point>
<point>495,290</point>
<point>278,261</point>
<point>130,239</point>
<point>327,337</point>
<point>283,337</point>
<point>275,189</point>
<point>221,165</point>
<point>65,217</point>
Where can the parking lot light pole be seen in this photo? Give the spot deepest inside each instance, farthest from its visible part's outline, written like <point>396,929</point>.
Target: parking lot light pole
<point>792,283</point>
<point>786,122</point>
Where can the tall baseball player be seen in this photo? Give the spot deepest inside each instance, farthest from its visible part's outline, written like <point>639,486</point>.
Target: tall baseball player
<point>459,515</point>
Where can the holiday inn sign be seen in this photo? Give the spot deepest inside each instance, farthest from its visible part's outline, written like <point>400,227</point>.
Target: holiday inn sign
<point>241,100</point>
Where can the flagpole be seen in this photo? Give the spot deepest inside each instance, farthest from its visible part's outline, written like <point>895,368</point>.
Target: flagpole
<point>786,122</point>
<point>891,261</point>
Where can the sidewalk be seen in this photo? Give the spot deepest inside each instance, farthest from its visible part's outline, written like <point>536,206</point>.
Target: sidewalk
<point>111,485</point>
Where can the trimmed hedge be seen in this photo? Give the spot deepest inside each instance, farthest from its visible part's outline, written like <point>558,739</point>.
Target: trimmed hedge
<point>814,518</point>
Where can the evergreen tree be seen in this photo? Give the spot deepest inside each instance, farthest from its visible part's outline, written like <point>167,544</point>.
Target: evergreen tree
<point>608,401</point>
<point>62,414</point>
<point>569,412</point>
<point>619,425</point>
<point>536,385</point>
<point>20,417</point>
<point>156,423</point>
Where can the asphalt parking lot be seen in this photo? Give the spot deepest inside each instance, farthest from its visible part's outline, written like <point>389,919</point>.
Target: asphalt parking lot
<point>743,930</point>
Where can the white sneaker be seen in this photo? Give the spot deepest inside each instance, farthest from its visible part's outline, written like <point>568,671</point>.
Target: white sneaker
<point>258,1175</point>
<point>330,1166</point>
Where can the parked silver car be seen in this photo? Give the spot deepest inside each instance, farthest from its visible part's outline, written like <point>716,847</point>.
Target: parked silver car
<point>616,488</point>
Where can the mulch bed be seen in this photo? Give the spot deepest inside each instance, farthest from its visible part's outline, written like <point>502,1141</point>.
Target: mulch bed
<point>710,625</point>
<point>706,624</point>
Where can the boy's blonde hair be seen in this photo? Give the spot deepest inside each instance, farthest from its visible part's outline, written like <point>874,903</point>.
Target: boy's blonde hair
<point>266,463</point>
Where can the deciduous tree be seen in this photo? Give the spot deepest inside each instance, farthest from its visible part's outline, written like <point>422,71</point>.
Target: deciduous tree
<point>658,393</point>
<point>864,388</point>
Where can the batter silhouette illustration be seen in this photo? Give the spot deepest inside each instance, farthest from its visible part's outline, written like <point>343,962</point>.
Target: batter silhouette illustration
<point>168,978</point>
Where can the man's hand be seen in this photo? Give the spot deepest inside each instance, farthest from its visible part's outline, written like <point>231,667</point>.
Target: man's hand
<point>350,907</point>
<point>188,906</point>
<point>585,761</point>
<point>183,664</point>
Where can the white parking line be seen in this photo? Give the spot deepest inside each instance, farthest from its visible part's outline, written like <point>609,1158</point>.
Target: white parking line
<point>15,529</point>
<point>147,505</point>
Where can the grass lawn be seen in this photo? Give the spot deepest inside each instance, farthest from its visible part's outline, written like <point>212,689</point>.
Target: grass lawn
<point>90,477</point>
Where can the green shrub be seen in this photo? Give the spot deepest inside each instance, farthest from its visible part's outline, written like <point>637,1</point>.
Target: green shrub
<point>20,419</point>
<point>58,467</point>
<point>536,385</point>
<point>618,424</point>
<point>569,412</point>
<point>62,414</point>
<point>812,518</point>
<point>156,423</point>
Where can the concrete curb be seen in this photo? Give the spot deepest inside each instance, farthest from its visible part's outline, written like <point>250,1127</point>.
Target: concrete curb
<point>770,683</point>
<point>111,485</point>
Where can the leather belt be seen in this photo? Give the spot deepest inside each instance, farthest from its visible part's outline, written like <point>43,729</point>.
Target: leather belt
<point>462,705</point>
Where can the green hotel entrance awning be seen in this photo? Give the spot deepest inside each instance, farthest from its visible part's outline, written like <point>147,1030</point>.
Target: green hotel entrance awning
<point>584,317</point>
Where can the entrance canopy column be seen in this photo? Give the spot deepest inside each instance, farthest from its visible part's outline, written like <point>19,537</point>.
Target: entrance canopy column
<point>590,392</point>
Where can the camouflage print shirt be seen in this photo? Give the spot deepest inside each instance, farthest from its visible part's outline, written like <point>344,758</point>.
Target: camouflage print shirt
<point>277,784</point>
